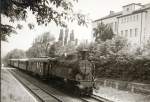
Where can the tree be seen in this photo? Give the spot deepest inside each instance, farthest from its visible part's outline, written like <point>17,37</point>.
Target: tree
<point>146,48</point>
<point>45,11</point>
<point>70,48</point>
<point>138,51</point>
<point>117,44</point>
<point>82,46</point>
<point>32,52</point>
<point>61,35</point>
<point>14,54</point>
<point>52,50</point>
<point>103,32</point>
<point>72,36</point>
<point>66,36</point>
<point>41,45</point>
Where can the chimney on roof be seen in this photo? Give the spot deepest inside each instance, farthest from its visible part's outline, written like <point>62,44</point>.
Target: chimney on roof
<point>111,12</point>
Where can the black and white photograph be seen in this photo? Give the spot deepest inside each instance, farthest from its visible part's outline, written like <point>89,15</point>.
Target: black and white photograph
<point>75,50</point>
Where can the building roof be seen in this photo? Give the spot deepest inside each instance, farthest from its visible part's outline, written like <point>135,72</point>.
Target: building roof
<point>143,9</point>
<point>133,3</point>
<point>119,14</point>
<point>109,16</point>
<point>146,5</point>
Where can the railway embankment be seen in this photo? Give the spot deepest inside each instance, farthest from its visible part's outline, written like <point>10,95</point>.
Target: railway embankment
<point>122,91</point>
<point>139,88</point>
<point>12,90</point>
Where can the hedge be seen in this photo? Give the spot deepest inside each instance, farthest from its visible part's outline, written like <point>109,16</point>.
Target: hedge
<point>137,70</point>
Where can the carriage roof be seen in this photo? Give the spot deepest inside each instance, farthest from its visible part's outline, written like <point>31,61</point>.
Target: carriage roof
<point>41,59</point>
<point>23,59</point>
<point>34,59</point>
<point>13,59</point>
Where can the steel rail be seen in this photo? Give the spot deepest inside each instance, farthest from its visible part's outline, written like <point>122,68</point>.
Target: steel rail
<point>101,98</point>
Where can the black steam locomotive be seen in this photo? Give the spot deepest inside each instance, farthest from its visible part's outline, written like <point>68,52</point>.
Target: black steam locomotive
<point>74,70</point>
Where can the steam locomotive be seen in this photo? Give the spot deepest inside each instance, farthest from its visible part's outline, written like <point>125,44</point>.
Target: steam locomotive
<point>74,70</point>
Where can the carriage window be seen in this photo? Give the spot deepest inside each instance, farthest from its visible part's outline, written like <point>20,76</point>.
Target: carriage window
<point>41,65</point>
<point>37,64</point>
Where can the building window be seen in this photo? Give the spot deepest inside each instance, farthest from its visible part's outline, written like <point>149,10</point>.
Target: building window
<point>130,32</point>
<point>127,9</point>
<point>137,17</point>
<point>122,33</point>
<point>144,37</point>
<point>133,17</point>
<point>146,15</point>
<point>124,19</point>
<point>121,20</point>
<point>127,19</point>
<point>115,26</point>
<point>126,33</point>
<point>136,32</point>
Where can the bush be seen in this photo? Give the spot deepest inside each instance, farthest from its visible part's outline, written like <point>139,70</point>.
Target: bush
<point>137,70</point>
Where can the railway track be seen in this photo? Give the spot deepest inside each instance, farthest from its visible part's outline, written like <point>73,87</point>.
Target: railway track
<point>100,98</point>
<point>47,93</point>
<point>35,90</point>
<point>95,98</point>
<point>43,92</point>
<point>91,99</point>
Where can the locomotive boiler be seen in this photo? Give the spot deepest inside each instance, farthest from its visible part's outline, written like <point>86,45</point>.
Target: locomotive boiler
<point>76,71</point>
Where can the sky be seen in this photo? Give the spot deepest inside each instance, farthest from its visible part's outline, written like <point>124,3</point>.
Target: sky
<point>95,9</point>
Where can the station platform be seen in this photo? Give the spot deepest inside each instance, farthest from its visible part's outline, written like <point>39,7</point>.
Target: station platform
<point>117,95</point>
<point>12,90</point>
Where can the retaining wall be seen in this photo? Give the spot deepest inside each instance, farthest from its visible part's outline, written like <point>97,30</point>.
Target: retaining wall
<point>124,85</point>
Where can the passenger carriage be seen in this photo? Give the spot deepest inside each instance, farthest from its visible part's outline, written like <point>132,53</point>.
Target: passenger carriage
<point>23,64</point>
<point>39,67</point>
<point>14,62</point>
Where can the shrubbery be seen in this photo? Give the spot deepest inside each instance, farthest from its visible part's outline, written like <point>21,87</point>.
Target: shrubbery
<point>69,61</point>
<point>114,59</point>
<point>134,70</point>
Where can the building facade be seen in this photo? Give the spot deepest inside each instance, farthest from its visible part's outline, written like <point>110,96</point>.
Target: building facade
<point>133,22</point>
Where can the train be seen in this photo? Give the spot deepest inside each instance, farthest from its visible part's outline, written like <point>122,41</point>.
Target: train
<point>76,71</point>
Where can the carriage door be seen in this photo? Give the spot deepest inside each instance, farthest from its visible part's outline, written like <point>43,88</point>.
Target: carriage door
<point>50,69</point>
<point>45,68</point>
